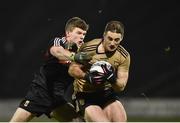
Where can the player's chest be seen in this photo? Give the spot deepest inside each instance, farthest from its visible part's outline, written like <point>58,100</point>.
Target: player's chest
<point>114,60</point>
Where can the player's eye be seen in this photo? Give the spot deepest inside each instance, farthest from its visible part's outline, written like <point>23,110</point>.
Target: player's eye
<point>110,38</point>
<point>84,34</point>
<point>117,39</point>
<point>79,33</point>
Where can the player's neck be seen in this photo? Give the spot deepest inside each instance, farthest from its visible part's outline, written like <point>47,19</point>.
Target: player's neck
<point>101,48</point>
<point>68,39</point>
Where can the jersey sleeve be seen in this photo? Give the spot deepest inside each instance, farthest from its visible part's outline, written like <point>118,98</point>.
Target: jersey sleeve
<point>57,41</point>
<point>90,45</point>
<point>126,63</point>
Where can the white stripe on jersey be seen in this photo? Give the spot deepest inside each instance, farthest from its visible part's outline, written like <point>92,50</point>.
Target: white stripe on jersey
<point>59,41</point>
<point>63,40</point>
<point>56,42</point>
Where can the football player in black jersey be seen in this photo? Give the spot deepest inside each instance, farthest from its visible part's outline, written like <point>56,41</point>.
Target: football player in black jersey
<point>46,94</point>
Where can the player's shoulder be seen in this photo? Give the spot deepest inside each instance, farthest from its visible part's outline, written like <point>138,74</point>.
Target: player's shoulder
<point>123,51</point>
<point>94,41</point>
<point>91,45</point>
<point>59,39</point>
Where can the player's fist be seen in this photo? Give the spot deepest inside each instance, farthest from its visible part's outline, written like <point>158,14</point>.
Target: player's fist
<point>71,46</point>
<point>109,73</point>
<point>81,58</point>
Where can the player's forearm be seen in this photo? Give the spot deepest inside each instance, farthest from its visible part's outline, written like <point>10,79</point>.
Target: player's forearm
<point>61,53</point>
<point>76,71</point>
<point>121,81</point>
<point>120,84</point>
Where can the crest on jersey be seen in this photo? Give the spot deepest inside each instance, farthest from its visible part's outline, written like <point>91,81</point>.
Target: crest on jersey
<point>26,103</point>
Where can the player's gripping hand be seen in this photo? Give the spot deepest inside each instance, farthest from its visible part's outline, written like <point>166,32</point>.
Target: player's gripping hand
<point>109,73</point>
<point>71,46</point>
<point>81,57</point>
<point>94,77</point>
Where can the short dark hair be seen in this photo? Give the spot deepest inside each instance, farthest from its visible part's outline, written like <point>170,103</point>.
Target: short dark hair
<point>76,22</point>
<point>114,26</point>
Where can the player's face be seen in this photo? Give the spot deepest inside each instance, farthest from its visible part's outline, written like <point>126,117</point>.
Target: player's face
<point>111,41</point>
<point>77,35</point>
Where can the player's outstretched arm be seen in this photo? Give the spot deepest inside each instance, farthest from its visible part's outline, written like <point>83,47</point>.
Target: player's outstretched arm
<point>61,53</point>
<point>75,70</point>
<point>64,54</point>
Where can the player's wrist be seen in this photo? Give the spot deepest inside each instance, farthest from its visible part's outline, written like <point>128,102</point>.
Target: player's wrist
<point>112,78</point>
<point>87,77</point>
<point>72,57</point>
<point>80,57</point>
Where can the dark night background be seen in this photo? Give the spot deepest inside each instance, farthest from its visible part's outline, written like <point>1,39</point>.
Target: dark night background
<point>151,37</point>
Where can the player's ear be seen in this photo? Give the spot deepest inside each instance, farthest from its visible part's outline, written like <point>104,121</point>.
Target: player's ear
<point>67,33</point>
<point>104,34</point>
<point>121,37</point>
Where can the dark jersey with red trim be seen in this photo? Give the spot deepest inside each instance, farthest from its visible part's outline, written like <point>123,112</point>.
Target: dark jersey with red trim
<point>53,70</point>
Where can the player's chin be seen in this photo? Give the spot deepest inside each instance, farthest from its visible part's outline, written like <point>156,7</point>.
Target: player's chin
<point>111,49</point>
<point>80,43</point>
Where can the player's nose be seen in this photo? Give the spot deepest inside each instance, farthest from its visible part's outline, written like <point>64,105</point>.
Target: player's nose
<point>82,37</point>
<point>112,43</point>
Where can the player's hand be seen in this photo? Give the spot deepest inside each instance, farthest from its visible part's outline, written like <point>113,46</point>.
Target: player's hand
<point>109,73</point>
<point>81,58</point>
<point>71,46</point>
<point>94,77</point>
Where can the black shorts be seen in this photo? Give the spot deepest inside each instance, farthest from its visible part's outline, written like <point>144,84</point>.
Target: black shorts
<point>100,98</point>
<point>42,100</point>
